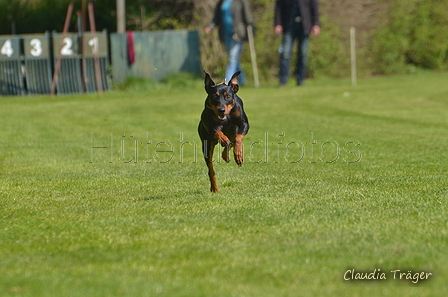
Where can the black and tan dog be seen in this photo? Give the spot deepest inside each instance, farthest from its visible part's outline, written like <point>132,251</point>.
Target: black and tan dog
<point>223,121</point>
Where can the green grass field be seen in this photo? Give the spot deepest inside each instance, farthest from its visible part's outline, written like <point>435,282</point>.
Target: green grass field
<point>110,197</point>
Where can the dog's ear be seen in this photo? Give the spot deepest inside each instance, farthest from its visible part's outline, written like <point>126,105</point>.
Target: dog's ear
<point>234,82</point>
<point>209,83</point>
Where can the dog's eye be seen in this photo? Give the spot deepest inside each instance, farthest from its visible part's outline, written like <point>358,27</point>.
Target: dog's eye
<point>228,96</point>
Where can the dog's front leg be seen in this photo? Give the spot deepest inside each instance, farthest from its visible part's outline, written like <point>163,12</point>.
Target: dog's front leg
<point>222,139</point>
<point>225,142</point>
<point>238,149</point>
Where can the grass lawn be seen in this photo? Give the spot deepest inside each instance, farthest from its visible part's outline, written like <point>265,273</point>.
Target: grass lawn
<point>110,197</point>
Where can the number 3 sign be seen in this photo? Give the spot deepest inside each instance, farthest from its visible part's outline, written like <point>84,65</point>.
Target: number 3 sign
<point>36,46</point>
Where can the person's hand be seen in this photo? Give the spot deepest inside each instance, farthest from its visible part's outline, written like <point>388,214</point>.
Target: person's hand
<point>315,30</point>
<point>208,30</point>
<point>278,29</point>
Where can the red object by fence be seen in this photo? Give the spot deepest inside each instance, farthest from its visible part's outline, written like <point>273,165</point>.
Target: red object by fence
<point>131,52</point>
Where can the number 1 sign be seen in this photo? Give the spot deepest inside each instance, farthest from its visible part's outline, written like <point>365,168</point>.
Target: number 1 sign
<point>95,44</point>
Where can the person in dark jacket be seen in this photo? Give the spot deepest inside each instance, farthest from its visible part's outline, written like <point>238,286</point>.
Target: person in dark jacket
<point>295,19</point>
<point>232,17</point>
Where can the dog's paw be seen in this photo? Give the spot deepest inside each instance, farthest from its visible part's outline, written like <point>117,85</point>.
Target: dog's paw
<point>226,154</point>
<point>238,154</point>
<point>222,139</point>
<point>225,142</point>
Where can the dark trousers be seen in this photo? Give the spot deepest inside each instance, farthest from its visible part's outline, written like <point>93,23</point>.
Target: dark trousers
<point>295,32</point>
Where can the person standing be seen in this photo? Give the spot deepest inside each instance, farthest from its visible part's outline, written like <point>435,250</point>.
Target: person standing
<point>232,17</point>
<point>295,19</point>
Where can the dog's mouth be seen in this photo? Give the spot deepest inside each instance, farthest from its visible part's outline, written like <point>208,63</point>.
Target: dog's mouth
<point>222,117</point>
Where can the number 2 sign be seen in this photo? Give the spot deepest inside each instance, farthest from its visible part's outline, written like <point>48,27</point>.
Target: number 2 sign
<point>67,45</point>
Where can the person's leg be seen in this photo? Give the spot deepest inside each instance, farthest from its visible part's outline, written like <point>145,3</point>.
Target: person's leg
<point>233,49</point>
<point>242,77</point>
<point>285,56</point>
<point>302,56</point>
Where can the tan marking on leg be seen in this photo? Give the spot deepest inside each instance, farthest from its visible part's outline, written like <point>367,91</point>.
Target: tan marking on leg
<point>238,149</point>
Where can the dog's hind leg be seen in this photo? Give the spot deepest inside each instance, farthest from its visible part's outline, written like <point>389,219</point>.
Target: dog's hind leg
<point>212,176</point>
<point>208,155</point>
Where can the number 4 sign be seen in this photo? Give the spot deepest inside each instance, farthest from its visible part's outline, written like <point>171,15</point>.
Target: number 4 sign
<point>9,48</point>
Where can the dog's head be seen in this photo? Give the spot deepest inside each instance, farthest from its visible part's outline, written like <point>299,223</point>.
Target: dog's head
<point>221,97</point>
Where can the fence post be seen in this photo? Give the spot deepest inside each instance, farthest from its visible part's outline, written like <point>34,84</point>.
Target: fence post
<point>353,54</point>
<point>59,60</point>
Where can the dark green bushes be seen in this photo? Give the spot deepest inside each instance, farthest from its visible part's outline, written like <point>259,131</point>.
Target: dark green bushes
<point>413,35</point>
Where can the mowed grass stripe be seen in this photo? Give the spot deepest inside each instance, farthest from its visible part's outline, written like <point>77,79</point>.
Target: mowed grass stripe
<point>137,218</point>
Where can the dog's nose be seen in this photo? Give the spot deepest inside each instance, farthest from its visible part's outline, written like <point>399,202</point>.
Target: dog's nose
<point>221,109</point>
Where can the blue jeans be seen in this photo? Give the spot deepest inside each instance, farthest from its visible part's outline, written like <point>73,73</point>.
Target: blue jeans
<point>296,31</point>
<point>233,50</point>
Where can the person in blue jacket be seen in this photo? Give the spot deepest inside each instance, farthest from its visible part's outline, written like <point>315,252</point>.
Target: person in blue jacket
<point>232,17</point>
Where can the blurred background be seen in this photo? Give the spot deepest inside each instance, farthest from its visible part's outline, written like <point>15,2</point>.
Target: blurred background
<point>393,36</point>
